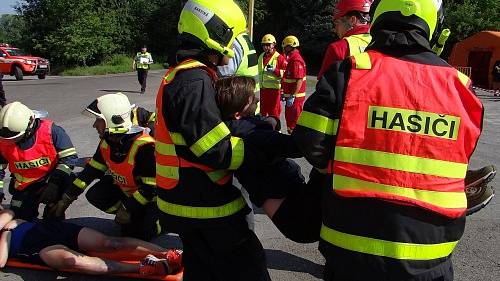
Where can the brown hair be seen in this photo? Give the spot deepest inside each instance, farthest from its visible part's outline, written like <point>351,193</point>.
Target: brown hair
<point>234,93</point>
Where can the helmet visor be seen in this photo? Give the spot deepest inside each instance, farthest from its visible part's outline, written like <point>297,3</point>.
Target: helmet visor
<point>7,134</point>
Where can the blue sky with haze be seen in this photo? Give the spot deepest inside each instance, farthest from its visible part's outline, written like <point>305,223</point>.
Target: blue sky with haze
<point>6,6</point>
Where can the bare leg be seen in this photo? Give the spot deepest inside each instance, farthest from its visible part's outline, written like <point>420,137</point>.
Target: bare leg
<point>270,206</point>
<point>60,257</point>
<point>116,248</point>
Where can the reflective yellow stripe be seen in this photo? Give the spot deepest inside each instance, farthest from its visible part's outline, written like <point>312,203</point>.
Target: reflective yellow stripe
<point>294,80</point>
<point>210,139</point>
<point>400,162</point>
<point>148,180</point>
<point>104,144</point>
<point>184,65</point>
<point>64,168</point>
<point>114,208</point>
<point>138,143</point>
<point>67,152</point>
<point>384,248</point>
<point>135,120</point>
<point>237,154</point>
<point>201,212</point>
<point>449,200</point>
<point>177,138</point>
<point>97,165</point>
<point>463,78</point>
<point>363,61</point>
<point>167,171</point>
<point>152,117</point>
<point>318,123</point>
<point>22,179</point>
<point>79,183</point>
<point>141,199</point>
<point>296,95</point>
<point>1,184</point>
<point>217,175</point>
<point>165,149</point>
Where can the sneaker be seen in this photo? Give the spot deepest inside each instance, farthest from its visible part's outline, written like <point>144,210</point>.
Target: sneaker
<point>152,265</point>
<point>478,196</point>
<point>174,259</point>
<point>480,176</point>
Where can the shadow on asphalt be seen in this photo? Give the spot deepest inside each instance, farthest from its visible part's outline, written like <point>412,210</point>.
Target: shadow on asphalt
<point>122,91</point>
<point>279,260</point>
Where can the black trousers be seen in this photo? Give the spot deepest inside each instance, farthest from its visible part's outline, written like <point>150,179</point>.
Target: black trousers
<point>25,203</point>
<point>105,194</point>
<point>142,77</point>
<point>2,92</point>
<point>229,252</point>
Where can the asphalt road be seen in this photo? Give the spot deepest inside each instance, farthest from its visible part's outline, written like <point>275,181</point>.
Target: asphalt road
<point>476,258</point>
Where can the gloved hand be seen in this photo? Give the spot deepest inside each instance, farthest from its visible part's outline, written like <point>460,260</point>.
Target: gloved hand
<point>270,69</point>
<point>122,215</point>
<point>289,101</point>
<point>58,209</point>
<point>49,194</point>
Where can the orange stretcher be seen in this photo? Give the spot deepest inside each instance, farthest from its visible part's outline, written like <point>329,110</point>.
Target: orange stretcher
<point>173,277</point>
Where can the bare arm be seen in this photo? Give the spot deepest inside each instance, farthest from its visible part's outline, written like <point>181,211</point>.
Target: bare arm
<point>4,248</point>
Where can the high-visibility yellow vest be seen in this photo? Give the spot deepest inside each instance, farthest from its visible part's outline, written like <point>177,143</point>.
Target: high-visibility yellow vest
<point>358,43</point>
<point>141,56</point>
<point>269,80</point>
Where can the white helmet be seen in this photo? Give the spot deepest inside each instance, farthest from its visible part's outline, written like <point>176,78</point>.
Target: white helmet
<point>15,119</point>
<point>114,109</point>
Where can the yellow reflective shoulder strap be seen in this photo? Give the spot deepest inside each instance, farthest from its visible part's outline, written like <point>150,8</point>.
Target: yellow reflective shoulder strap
<point>363,61</point>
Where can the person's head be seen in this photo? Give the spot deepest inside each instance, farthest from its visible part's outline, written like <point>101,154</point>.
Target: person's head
<point>235,97</point>
<point>425,16</point>
<point>144,49</point>
<point>111,113</point>
<point>349,14</point>
<point>268,43</point>
<point>211,25</point>
<point>290,43</point>
<point>16,121</point>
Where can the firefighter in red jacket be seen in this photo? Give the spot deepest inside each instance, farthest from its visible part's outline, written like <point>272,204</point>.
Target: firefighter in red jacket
<point>40,157</point>
<point>124,166</point>
<point>196,154</point>
<point>272,65</point>
<point>404,124</point>
<point>351,22</point>
<point>294,82</point>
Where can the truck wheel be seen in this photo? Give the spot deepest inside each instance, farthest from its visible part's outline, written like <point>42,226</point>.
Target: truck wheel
<point>42,75</point>
<point>18,72</point>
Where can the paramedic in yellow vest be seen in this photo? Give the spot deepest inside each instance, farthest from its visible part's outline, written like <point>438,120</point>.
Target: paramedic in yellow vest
<point>126,153</point>
<point>272,66</point>
<point>196,153</point>
<point>351,23</point>
<point>393,128</point>
<point>40,158</point>
<point>141,63</point>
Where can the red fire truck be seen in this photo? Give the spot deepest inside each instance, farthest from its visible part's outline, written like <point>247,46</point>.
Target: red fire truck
<point>18,63</point>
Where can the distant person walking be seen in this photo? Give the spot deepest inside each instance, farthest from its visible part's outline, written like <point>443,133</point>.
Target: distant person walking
<point>2,92</point>
<point>141,63</point>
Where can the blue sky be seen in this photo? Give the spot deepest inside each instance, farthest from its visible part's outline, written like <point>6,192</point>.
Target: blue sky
<point>6,6</point>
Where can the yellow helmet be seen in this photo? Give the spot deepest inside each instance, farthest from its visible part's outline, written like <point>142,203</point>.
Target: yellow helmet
<point>268,39</point>
<point>212,23</point>
<point>15,119</point>
<point>290,41</point>
<point>424,14</point>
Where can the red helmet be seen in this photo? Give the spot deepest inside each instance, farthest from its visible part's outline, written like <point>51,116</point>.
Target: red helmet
<point>345,6</point>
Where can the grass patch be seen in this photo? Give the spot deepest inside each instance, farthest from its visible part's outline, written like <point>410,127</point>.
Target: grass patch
<point>115,64</point>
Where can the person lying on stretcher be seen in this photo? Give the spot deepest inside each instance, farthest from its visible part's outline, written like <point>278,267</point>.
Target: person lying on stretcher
<point>66,246</point>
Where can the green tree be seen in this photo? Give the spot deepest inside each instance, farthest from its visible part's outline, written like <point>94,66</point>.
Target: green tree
<point>11,27</point>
